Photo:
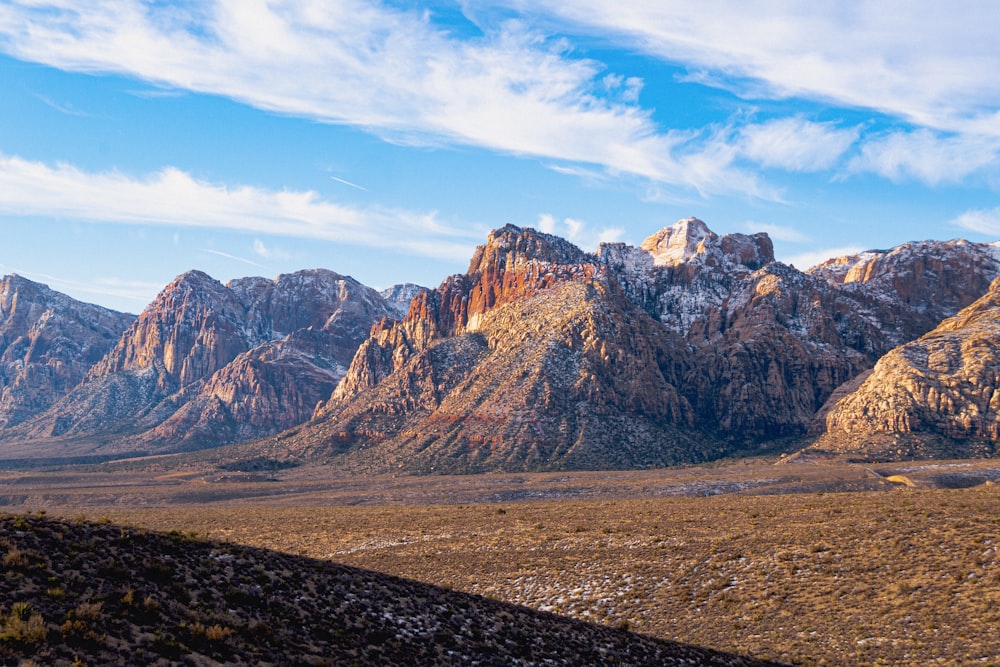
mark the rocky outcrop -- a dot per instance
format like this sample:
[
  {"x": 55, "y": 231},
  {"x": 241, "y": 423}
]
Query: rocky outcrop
[
  {"x": 208, "y": 363},
  {"x": 514, "y": 264},
  {"x": 937, "y": 396},
  {"x": 692, "y": 345},
  {"x": 775, "y": 342},
  {"x": 48, "y": 343}
]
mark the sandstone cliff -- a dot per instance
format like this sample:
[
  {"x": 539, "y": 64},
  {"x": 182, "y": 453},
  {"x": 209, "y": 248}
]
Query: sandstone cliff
[{"x": 573, "y": 377}]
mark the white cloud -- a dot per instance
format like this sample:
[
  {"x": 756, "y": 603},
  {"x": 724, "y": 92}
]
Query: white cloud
[
  {"x": 926, "y": 156},
  {"x": 388, "y": 70},
  {"x": 235, "y": 258},
  {"x": 778, "y": 232},
  {"x": 578, "y": 231},
  {"x": 811, "y": 258},
  {"x": 172, "y": 197},
  {"x": 931, "y": 63},
  {"x": 983, "y": 221},
  {"x": 546, "y": 223},
  {"x": 263, "y": 250},
  {"x": 796, "y": 144}
]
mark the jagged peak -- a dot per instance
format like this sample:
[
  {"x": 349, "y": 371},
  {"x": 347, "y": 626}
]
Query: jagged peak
[
  {"x": 18, "y": 279},
  {"x": 690, "y": 240},
  {"x": 511, "y": 244},
  {"x": 318, "y": 274},
  {"x": 194, "y": 276},
  {"x": 870, "y": 264},
  {"x": 677, "y": 243}
]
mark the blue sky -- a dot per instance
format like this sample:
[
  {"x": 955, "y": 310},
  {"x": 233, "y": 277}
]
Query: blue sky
[{"x": 141, "y": 139}]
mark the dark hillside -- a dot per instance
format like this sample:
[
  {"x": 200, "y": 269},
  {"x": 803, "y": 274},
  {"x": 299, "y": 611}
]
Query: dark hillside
[{"x": 100, "y": 593}]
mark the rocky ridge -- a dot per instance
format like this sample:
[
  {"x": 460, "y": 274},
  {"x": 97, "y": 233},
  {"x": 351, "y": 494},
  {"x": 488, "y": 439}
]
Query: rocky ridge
[
  {"x": 48, "y": 343},
  {"x": 691, "y": 346},
  {"x": 747, "y": 350},
  {"x": 207, "y": 363}
]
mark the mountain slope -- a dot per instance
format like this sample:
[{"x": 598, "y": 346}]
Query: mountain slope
[
  {"x": 48, "y": 342},
  {"x": 207, "y": 363},
  {"x": 937, "y": 396},
  {"x": 491, "y": 370},
  {"x": 574, "y": 377}
]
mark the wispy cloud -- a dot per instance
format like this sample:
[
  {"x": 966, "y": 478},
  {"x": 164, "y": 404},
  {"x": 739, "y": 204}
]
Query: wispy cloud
[
  {"x": 267, "y": 252},
  {"x": 174, "y": 198},
  {"x": 933, "y": 64},
  {"x": 930, "y": 66},
  {"x": 348, "y": 183},
  {"x": 514, "y": 89},
  {"x": 62, "y": 108},
  {"x": 777, "y": 232},
  {"x": 578, "y": 231},
  {"x": 811, "y": 258},
  {"x": 796, "y": 144},
  {"x": 926, "y": 156},
  {"x": 983, "y": 221},
  {"x": 388, "y": 70},
  {"x": 235, "y": 258}
]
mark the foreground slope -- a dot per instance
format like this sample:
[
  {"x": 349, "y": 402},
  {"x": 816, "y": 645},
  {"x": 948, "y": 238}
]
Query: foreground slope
[
  {"x": 936, "y": 396},
  {"x": 48, "y": 342},
  {"x": 106, "y": 594}
]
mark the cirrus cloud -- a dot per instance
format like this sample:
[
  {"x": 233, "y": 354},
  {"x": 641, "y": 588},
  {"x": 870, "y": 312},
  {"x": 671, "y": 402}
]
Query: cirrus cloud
[
  {"x": 389, "y": 71},
  {"x": 174, "y": 198}
]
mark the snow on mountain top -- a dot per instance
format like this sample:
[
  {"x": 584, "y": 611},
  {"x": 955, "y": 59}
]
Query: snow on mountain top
[{"x": 678, "y": 243}]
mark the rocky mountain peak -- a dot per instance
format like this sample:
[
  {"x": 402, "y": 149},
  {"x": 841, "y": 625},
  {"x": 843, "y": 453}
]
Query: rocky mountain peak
[
  {"x": 679, "y": 242},
  {"x": 691, "y": 241},
  {"x": 936, "y": 396},
  {"x": 398, "y": 297},
  {"x": 510, "y": 246}
]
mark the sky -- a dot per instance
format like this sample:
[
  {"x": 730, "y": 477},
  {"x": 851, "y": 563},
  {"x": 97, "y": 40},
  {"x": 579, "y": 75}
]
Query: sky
[{"x": 140, "y": 139}]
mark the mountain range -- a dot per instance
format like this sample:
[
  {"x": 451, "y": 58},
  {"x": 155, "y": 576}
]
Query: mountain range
[{"x": 690, "y": 347}]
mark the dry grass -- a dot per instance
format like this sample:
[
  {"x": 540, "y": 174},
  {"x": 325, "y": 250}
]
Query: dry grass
[
  {"x": 907, "y": 577},
  {"x": 77, "y": 592}
]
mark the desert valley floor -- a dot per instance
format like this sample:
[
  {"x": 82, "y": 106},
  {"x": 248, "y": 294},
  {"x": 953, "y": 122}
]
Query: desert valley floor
[{"x": 801, "y": 563}]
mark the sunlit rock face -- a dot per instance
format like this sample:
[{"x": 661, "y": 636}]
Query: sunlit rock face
[
  {"x": 936, "y": 396},
  {"x": 207, "y": 363},
  {"x": 48, "y": 343}
]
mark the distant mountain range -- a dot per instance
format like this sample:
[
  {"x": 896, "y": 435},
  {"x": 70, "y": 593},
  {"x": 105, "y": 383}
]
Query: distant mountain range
[{"x": 690, "y": 347}]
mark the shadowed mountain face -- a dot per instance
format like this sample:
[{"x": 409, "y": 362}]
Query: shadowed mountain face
[
  {"x": 48, "y": 343},
  {"x": 207, "y": 363},
  {"x": 107, "y": 594},
  {"x": 690, "y": 347}
]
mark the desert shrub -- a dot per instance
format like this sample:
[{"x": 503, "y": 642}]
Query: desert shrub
[
  {"x": 23, "y": 625},
  {"x": 15, "y": 558}
]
